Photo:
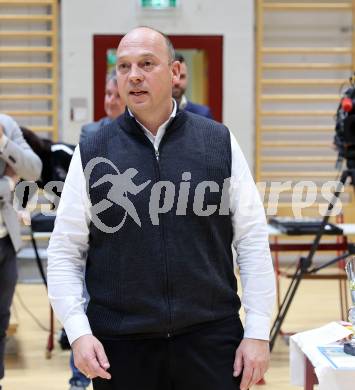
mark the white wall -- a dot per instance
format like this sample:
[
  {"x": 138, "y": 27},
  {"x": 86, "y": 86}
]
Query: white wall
[{"x": 234, "y": 19}]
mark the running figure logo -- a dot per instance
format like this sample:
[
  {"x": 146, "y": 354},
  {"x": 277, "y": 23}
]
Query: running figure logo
[{"x": 122, "y": 185}]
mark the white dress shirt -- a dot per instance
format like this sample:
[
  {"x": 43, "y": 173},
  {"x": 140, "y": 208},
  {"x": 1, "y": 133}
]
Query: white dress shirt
[
  {"x": 183, "y": 102},
  {"x": 69, "y": 244}
]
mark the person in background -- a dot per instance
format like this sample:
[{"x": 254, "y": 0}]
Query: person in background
[
  {"x": 179, "y": 89},
  {"x": 114, "y": 107},
  {"x": 55, "y": 156},
  {"x": 17, "y": 160}
]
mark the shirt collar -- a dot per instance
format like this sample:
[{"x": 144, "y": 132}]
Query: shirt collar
[
  {"x": 162, "y": 127},
  {"x": 183, "y": 102}
]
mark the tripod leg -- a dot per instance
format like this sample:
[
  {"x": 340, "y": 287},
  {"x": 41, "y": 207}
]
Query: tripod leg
[
  {"x": 50, "y": 343},
  {"x": 289, "y": 290},
  {"x": 38, "y": 260},
  {"x": 277, "y": 274},
  {"x": 286, "y": 303}
]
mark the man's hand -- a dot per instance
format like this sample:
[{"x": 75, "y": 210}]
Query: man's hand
[
  {"x": 252, "y": 356},
  {"x": 90, "y": 357},
  {"x": 1, "y": 131}
]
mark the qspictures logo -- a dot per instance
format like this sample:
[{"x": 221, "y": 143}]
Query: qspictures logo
[
  {"x": 121, "y": 186},
  {"x": 236, "y": 196},
  {"x": 124, "y": 186}
]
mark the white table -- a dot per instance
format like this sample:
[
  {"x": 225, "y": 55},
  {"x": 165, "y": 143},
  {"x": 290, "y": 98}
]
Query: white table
[{"x": 306, "y": 360}]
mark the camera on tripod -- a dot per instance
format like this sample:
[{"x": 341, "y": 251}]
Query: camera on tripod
[{"x": 344, "y": 138}]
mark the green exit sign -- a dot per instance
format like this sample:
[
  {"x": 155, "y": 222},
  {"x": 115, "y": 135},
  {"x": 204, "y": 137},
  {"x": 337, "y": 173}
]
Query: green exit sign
[{"x": 158, "y": 4}]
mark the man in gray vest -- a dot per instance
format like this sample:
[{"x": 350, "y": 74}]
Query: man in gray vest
[
  {"x": 17, "y": 160},
  {"x": 152, "y": 205}
]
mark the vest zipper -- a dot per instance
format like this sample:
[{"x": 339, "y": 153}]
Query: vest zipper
[{"x": 161, "y": 225}]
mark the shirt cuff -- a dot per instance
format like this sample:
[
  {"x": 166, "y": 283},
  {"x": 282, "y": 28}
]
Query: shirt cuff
[
  {"x": 3, "y": 142},
  {"x": 257, "y": 327},
  {"x": 77, "y": 326}
]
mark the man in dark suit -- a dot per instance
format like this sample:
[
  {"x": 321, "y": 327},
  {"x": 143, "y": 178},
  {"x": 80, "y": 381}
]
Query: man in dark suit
[
  {"x": 179, "y": 89},
  {"x": 114, "y": 107}
]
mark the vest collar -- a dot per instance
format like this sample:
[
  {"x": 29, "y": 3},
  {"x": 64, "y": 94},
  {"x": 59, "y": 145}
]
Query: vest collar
[{"x": 129, "y": 124}]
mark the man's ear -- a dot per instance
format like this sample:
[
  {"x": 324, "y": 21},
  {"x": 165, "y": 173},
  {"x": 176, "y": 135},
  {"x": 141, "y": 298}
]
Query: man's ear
[{"x": 175, "y": 69}]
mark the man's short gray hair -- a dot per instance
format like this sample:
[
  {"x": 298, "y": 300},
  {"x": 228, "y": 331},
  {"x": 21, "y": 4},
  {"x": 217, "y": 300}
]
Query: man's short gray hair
[{"x": 171, "y": 50}]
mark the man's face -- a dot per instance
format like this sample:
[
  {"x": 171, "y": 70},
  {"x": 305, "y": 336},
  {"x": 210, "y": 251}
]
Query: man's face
[
  {"x": 145, "y": 74},
  {"x": 114, "y": 105},
  {"x": 179, "y": 87}
]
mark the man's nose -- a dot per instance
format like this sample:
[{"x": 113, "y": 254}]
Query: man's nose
[{"x": 136, "y": 75}]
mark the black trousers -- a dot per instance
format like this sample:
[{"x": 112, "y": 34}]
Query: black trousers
[
  {"x": 8, "y": 278},
  {"x": 199, "y": 359}
]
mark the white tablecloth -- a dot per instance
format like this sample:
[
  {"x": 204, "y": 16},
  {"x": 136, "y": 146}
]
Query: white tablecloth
[{"x": 329, "y": 378}]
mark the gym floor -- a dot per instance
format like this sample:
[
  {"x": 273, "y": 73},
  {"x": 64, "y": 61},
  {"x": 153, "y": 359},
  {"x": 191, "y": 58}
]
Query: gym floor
[{"x": 316, "y": 303}]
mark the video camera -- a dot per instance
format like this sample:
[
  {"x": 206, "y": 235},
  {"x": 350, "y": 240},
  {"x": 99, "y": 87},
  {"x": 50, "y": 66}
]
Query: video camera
[{"x": 344, "y": 138}]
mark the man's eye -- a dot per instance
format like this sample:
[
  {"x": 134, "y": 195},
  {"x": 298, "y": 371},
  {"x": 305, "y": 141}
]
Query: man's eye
[
  {"x": 147, "y": 64},
  {"x": 122, "y": 67}
]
